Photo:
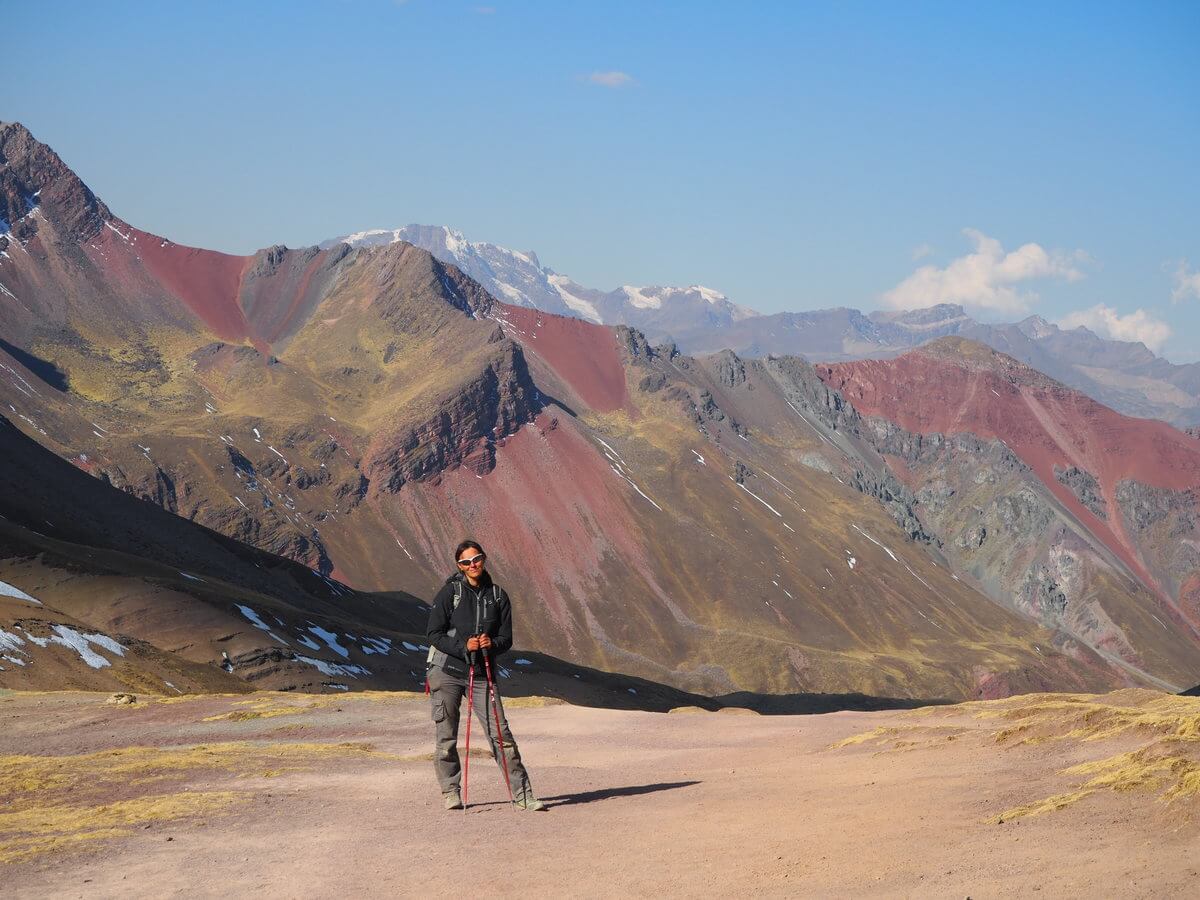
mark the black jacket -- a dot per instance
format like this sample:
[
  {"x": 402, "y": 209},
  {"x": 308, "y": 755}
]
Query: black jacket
[{"x": 479, "y": 612}]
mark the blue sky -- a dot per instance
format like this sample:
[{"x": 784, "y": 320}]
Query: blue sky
[{"x": 1025, "y": 158}]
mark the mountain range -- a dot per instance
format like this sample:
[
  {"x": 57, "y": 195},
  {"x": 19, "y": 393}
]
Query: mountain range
[
  {"x": 716, "y": 524},
  {"x": 1122, "y": 374}
]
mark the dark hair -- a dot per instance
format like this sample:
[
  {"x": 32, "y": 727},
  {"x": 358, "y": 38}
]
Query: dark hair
[{"x": 474, "y": 545}]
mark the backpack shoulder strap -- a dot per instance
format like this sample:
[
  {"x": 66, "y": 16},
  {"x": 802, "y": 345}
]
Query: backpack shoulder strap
[
  {"x": 457, "y": 594},
  {"x": 496, "y": 593}
]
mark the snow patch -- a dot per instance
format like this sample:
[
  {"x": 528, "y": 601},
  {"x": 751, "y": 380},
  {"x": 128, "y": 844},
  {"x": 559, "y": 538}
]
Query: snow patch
[
  {"x": 512, "y": 293},
  {"x": 639, "y": 299},
  {"x": 7, "y": 590},
  {"x": 640, "y": 491},
  {"x": 573, "y": 302},
  {"x": 81, "y": 644},
  {"x": 331, "y": 640},
  {"x": 258, "y": 623},
  {"x": 382, "y": 646},
  {"x": 760, "y": 499},
  {"x": 11, "y": 643},
  {"x": 328, "y": 668},
  {"x": 118, "y": 231},
  {"x": 875, "y": 542}
]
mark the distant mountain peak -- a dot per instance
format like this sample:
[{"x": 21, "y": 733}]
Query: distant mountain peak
[
  {"x": 1037, "y": 328},
  {"x": 35, "y": 183},
  {"x": 977, "y": 357},
  {"x": 642, "y": 298},
  {"x": 929, "y": 318},
  {"x": 654, "y": 296}
]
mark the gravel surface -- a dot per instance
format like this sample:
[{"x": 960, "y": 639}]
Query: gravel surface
[{"x": 304, "y": 796}]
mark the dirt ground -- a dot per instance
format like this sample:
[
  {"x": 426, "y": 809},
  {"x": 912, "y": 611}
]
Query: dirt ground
[{"x": 303, "y": 796}]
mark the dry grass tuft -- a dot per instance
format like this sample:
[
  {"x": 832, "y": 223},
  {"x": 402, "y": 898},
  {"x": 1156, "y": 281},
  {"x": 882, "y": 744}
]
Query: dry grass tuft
[
  {"x": 272, "y": 704},
  {"x": 57, "y": 802},
  {"x": 1164, "y": 729},
  {"x": 902, "y": 737},
  {"x": 29, "y": 832},
  {"x": 531, "y": 702}
]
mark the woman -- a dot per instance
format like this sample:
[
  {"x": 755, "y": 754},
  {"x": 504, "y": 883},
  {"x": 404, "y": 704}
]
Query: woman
[{"x": 471, "y": 617}]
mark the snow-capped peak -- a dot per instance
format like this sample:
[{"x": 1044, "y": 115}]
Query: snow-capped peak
[
  {"x": 456, "y": 242},
  {"x": 708, "y": 293},
  {"x": 639, "y": 298},
  {"x": 575, "y": 303},
  {"x": 372, "y": 236}
]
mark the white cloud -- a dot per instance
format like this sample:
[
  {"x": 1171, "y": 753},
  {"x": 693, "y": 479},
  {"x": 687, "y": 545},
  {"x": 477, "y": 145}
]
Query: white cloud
[
  {"x": 611, "y": 79},
  {"x": 1139, "y": 325},
  {"x": 986, "y": 278},
  {"x": 921, "y": 251},
  {"x": 1185, "y": 283}
]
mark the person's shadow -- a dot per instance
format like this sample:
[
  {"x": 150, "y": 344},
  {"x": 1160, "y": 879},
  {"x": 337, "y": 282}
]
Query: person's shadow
[{"x": 608, "y": 793}]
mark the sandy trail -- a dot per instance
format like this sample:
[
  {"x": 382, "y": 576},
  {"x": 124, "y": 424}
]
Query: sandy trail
[{"x": 642, "y": 804}]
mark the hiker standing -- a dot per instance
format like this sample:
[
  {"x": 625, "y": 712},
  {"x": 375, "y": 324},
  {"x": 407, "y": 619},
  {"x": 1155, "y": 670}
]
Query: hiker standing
[{"x": 471, "y": 617}]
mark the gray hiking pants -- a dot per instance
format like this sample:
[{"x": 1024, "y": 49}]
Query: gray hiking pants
[{"x": 446, "y": 692}]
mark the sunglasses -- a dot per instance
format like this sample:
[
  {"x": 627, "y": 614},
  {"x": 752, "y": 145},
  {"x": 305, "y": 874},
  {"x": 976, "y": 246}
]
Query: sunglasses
[{"x": 474, "y": 560}]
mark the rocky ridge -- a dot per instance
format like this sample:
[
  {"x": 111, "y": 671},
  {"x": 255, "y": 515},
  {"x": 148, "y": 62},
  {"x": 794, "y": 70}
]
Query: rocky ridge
[{"x": 1124, "y": 375}]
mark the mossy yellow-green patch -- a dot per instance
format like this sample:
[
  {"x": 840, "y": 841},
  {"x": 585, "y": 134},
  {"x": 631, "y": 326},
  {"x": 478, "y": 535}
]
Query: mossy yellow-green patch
[
  {"x": 57, "y": 802},
  {"x": 29, "y": 832},
  {"x": 1168, "y": 726},
  {"x": 27, "y": 781}
]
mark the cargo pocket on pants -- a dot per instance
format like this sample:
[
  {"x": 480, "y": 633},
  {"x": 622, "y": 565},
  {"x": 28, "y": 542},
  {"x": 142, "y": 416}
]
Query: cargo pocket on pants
[{"x": 439, "y": 711}]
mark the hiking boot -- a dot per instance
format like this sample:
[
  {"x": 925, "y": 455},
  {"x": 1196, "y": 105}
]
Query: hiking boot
[
  {"x": 453, "y": 801},
  {"x": 530, "y": 802}
]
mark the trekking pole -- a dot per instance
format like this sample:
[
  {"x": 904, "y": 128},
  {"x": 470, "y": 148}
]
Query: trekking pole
[
  {"x": 487, "y": 667},
  {"x": 470, "y": 715}
]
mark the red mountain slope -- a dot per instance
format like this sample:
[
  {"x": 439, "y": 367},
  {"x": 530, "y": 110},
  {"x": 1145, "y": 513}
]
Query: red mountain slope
[{"x": 1093, "y": 460}]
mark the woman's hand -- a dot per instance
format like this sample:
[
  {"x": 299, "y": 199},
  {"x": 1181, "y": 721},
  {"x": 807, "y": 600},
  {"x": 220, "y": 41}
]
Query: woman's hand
[
  {"x": 485, "y": 642},
  {"x": 472, "y": 644}
]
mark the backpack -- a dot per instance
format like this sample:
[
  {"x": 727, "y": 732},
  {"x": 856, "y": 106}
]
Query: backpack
[{"x": 435, "y": 656}]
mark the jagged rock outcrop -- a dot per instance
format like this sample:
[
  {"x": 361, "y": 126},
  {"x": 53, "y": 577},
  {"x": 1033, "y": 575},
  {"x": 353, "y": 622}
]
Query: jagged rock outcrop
[
  {"x": 160, "y": 490},
  {"x": 1042, "y": 596},
  {"x": 897, "y": 499},
  {"x": 32, "y": 175},
  {"x": 1143, "y": 506},
  {"x": 804, "y": 387},
  {"x": 1085, "y": 487},
  {"x": 464, "y": 429},
  {"x": 706, "y": 413},
  {"x": 729, "y": 369},
  {"x": 1163, "y": 524},
  {"x": 635, "y": 346}
]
